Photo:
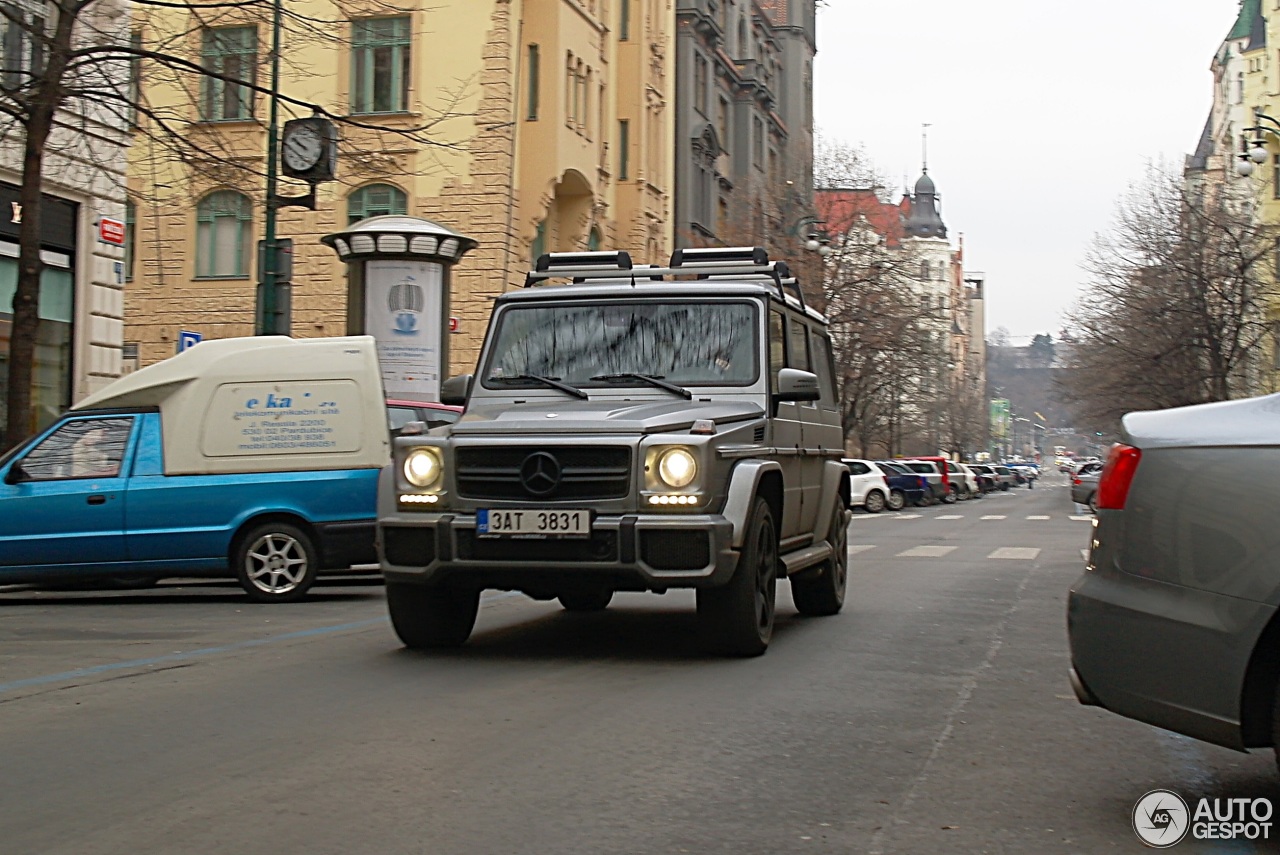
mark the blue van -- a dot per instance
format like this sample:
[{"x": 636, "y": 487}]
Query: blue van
[{"x": 253, "y": 458}]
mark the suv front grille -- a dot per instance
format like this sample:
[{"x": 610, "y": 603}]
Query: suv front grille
[{"x": 544, "y": 473}]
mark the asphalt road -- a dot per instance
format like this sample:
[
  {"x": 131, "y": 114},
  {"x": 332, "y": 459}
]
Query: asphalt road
[{"x": 932, "y": 715}]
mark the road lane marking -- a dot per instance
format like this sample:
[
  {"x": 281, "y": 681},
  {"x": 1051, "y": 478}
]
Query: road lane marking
[
  {"x": 1019, "y": 552},
  {"x": 1084, "y": 553},
  {"x": 926, "y": 552},
  {"x": 995, "y": 517},
  {"x": 1037, "y": 518},
  {"x": 861, "y": 547},
  {"x": 908, "y": 516},
  {"x": 1080, "y": 518},
  {"x": 951, "y": 517}
]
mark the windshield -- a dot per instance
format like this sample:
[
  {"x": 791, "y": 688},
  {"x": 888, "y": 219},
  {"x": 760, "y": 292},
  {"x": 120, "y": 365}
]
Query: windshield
[{"x": 684, "y": 343}]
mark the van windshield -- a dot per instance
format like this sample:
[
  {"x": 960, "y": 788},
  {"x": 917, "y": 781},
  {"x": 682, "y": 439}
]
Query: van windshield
[{"x": 682, "y": 342}]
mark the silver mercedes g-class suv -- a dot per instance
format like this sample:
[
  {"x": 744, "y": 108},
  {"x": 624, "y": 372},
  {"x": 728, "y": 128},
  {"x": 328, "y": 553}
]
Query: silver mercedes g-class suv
[{"x": 630, "y": 429}]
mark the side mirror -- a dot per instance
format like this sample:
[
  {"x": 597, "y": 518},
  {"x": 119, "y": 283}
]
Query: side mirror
[
  {"x": 797, "y": 385},
  {"x": 16, "y": 474},
  {"x": 456, "y": 390}
]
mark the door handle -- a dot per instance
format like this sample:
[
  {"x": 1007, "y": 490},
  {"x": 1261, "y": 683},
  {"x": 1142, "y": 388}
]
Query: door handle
[{"x": 97, "y": 499}]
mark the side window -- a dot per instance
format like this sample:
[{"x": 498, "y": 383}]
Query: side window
[
  {"x": 798, "y": 346},
  {"x": 777, "y": 349},
  {"x": 87, "y": 448},
  {"x": 823, "y": 367},
  {"x": 859, "y": 468}
]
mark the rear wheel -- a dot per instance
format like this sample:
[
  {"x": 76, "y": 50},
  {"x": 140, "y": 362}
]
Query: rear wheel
[
  {"x": 737, "y": 618},
  {"x": 426, "y": 618},
  {"x": 586, "y": 600},
  {"x": 949, "y": 497},
  {"x": 276, "y": 562},
  {"x": 897, "y": 500},
  {"x": 874, "y": 502},
  {"x": 821, "y": 595}
]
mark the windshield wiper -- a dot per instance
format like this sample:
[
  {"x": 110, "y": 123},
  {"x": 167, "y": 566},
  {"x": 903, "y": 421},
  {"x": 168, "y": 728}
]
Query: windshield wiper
[
  {"x": 651, "y": 379},
  {"x": 552, "y": 382}
]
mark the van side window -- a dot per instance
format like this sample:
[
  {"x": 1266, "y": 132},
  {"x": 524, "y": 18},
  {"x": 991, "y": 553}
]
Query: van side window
[
  {"x": 798, "y": 346},
  {"x": 823, "y": 367},
  {"x": 85, "y": 448},
  {"x": 777, "y": 349}
]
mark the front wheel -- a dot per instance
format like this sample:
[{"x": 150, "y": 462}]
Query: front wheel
[
  {"x": 897, "y": 500},
  {"x": 275, "y": 562},
  {"x": 426, "y": 618},
  {"x": 736, "y": 619},
  {"x": 874, "y": 503}
]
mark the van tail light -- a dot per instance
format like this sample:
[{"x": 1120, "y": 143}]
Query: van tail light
[{"x": 1117, "y": 476}]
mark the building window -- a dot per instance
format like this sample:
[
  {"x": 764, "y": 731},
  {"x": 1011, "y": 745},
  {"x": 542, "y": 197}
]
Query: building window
[
  {"x": 1275, "y": 176},
  {"x": 130, "y": 238},
  {"x": 23, "y": 53},
  {"x": 224, "y": 222},
  {"x": 534, "y": 72},
  {"x": 593, "y": 240},
  {"x": 757, "y": 142},
  {"x": 380, "y": 65},
  {"x": 624, "y": 20},
  {"x": 700, "y": 80},
  {"x": 624, "y": 149},
  {"x": 135, "y": 79},
  {"x": 539, "y": 246},
  {"x": 231, "y": 52},
  {"x": 376, "y": 200},
  {"x": 722, "y": 123}
]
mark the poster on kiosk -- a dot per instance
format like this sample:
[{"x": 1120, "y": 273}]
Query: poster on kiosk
[{"x": 402, "y": 312}]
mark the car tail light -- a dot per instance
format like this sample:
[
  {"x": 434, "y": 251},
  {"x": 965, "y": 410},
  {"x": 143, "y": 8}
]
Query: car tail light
[
  {"x": 1075, "y": 481},
  {"x": 1117, "y": 476}
]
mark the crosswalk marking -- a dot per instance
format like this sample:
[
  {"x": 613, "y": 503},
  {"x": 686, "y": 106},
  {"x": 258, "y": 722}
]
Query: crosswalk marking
[
  {"x": 1080, "y": 518},
  {"x": 1022, "y": 552},
  {"x": 926, "y": 552},
  {"x": 995, "y": 517},
  {"x": 909, "y": 516},
  {"x": 1037, "y": 518},
  {"x": 860, "y": 547},
  {"x": 1084, "y": 553},
  {"x": 951, "y": 517}
]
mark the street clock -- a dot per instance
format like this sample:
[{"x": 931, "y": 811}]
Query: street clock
[{"x": 309, "y": 149}]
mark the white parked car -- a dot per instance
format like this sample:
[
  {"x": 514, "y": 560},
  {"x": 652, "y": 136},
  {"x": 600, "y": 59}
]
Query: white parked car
[
  {"x": 971, "y": 488},
  {"x": 868, "y": 486}
]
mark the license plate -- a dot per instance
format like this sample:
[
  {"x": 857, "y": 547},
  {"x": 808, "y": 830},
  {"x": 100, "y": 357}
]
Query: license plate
[{"x": 515, "y": 522}]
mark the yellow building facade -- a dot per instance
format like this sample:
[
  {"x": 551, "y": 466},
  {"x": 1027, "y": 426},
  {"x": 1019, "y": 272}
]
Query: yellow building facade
[{"x": 529, "y": 125}]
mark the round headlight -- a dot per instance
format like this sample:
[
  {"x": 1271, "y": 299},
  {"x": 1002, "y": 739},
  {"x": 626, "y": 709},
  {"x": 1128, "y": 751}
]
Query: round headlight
[
  {"x": 677, "y": 468},
  {"x": 422, "y": 467}
]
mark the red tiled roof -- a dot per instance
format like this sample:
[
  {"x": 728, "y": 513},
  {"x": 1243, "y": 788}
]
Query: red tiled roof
[{"x": 841, "y": 210}]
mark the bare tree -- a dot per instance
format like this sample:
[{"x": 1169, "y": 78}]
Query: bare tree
[
  {"x": 73, "y": 84},
  {"x": 1175, "y": 311}
]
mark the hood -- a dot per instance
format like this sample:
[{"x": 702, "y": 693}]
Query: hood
[
  {"x": 1250, "y": 421},
  {"x": 599, "y": 416}
]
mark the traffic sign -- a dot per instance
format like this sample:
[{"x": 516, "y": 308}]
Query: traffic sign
[
  {"x": 111, "y": 231},
  {"x": 188, "y": 339}
]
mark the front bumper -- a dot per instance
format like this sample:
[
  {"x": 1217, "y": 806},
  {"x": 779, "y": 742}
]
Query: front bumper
[{"x": 625, "y": 552}]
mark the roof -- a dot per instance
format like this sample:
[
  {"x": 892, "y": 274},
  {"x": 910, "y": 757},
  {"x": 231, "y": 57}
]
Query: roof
[
  {"x": 1246, "y": 25},
  {"x": 842, "y": 209}
]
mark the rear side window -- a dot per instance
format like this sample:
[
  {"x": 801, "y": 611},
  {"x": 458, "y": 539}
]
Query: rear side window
[
  {"x": 858, "y": 468},
  {"x": 923, "y": 468},
  {"x": 822, "y": 366}
]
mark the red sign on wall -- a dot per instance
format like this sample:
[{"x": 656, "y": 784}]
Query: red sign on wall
[
  {"x": 453, "y": 324},
  {"x": 111, "y": 231}
]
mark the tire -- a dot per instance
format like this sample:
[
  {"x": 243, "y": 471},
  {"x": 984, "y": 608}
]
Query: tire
[
  {"x": 1093, "y": 503},
  {"x": 897, "y": 500},
  {"x": 949, "y": 498},
  {"x": 874, "y": 502},
  {"x": 430, "y": 618},
  {"x": 1004, "y": 487},
  {"x": 275, "y": 562},
  {"x": 736, "y": 619},
  {"x": 823, "y": 595},
  {"x": 586, "y": 600}
]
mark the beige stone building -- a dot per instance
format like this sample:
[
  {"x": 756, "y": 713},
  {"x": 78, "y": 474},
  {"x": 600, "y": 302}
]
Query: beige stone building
[{"x": 550, "y": 122}]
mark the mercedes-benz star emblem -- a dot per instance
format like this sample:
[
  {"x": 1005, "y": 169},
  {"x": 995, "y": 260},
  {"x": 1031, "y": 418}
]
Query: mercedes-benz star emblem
[{"x": 540, "y": 473}]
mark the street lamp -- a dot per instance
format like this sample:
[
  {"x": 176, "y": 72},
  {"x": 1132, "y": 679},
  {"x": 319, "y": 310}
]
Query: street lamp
[{"x": 1258, "y": 152}]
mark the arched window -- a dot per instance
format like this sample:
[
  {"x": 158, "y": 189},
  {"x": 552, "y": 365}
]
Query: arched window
[
  {"x": 924, "y": 270},
  {"x": 374, "y": 201},
  {"x": 593, "y": 240},
  {"x": 224, "y": 226}
]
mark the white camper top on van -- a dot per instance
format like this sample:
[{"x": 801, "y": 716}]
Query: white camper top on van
[{"x": 263, "y": 404}]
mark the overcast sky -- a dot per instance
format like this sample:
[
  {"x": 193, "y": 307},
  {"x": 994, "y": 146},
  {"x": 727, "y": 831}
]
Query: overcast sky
[{"x": 1041, "y": 117}]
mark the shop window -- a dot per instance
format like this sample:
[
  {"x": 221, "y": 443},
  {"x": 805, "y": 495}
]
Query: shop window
[
  {"x": 51, "y": 374},
  {"x": 231, "y": 52},
  {"x": 224, "y": 224},
  {"x": 376, "y": 200},
  {"x": 380, "y": 65}
]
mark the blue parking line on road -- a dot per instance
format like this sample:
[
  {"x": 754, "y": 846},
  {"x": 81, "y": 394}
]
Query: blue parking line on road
[{"x": 207, "y": 651}]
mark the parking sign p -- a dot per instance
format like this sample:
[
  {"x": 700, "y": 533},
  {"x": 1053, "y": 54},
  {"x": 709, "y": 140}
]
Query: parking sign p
[{"x": 187, "y": 339}]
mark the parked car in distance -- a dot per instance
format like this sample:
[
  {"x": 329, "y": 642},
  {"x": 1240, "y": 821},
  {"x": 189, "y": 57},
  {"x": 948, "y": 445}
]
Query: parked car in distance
[
  {"x": 939, "y": 491},
  {"x": 987, "y": 481},
  {"x": 905, "y": 487},
  {"x": 970, "y": 486},
  {"x": 1005, "y": 477},
  {"x": 248, "y": 458},
  {"x": 1176, "y": 619},
  {"x": 1084, "y": 485},
  {"x": 868, "y": 486},
  {"x": 433, "y": 415}
]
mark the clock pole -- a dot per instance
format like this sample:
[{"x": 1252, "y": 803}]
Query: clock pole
[{"x": 268, "y": 323}]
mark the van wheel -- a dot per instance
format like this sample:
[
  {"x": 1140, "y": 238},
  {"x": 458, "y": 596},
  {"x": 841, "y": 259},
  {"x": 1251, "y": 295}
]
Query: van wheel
[
  {"x": 897, "y": 500},
  {"x": 874, "y": 502},
  {"x": 276, "y": 562},
  {"x": 736, "y": 619},
  {"x": 586, "y": 600},
  {"x": 426, "y": 618},
  {"x": 822, "y": 595}
]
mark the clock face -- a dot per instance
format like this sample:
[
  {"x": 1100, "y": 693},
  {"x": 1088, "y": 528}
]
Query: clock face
[{"x": 302, "y": 147}]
